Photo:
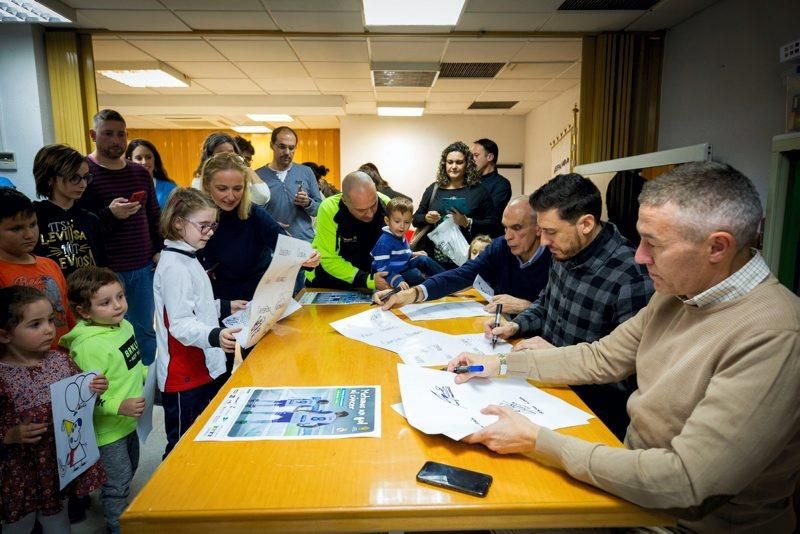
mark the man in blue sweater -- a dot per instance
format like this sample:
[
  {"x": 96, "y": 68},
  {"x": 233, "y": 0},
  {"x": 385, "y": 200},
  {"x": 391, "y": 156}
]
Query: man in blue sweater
[{"x": 514, "y": 265}]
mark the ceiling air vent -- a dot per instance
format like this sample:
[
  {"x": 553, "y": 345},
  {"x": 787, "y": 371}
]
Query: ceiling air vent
[
  {"x": 469, "y": 70},
  {"x": 606, "y": 5},
  {"x": 493, "y": 105},
  {"x": 404, "y": 74}
]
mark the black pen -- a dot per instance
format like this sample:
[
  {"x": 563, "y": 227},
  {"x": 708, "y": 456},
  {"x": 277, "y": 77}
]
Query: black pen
[
  {"x": 497, "y": 312},
  {"x": 385, "y": 297}
]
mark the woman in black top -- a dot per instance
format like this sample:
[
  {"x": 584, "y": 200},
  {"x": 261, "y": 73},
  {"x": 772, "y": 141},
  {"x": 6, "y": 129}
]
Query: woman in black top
[
  {"x": 458, "y": 193},
  {"x": 68, "y": 235}
]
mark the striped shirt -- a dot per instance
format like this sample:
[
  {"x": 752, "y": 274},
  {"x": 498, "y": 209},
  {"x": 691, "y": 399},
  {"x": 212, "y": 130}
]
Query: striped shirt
[
  {"x": 736, "y": 285},
  {"x": 130, "y": 243}
]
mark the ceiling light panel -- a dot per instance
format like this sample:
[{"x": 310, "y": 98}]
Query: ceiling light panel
[
  {"x": 251, "y": 129},
  {"x": 269, "y": 117},
  {"x": 28, "y": 11},
  {"x": 412, "y": 12}
]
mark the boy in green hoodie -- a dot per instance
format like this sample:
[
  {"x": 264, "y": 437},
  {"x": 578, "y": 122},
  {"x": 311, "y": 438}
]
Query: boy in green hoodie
[{"x": 104, "y": 340}]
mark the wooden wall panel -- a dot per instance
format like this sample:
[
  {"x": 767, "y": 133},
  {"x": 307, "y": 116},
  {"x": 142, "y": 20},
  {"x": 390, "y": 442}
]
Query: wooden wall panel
[{"x": 180, "y": 149}]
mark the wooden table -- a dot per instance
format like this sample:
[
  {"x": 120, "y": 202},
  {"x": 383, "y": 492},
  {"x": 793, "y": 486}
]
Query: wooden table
[{"x": 360, "y": 484}]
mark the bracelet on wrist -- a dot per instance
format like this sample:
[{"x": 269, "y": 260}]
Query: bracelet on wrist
[{"x": 503, "y": 359}]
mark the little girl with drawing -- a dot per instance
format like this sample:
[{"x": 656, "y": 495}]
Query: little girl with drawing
[
  {"x": 28, "y": 465},
  {"x": 191, "y": 344}
]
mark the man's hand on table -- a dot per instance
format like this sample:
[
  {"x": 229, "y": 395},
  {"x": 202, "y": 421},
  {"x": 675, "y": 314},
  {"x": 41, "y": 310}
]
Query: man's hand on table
[
  {"x": 511, "y": 305},
  {"x": 512, "y": 433},
  {"x": 534, "y": 343}
]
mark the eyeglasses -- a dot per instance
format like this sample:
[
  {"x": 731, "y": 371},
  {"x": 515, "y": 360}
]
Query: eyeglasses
[
  {"x": 204, "y": 228},
  {"x": 76, "y": 178}
]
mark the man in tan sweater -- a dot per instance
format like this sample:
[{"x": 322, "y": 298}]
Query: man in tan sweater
[{"x": 714, "y": 436}]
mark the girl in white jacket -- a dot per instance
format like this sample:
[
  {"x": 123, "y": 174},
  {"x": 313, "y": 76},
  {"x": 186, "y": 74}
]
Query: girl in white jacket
[{"x": 191, "y": 344}]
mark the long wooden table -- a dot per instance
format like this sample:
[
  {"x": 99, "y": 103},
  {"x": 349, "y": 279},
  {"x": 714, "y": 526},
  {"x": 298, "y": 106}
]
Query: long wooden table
[{"x": 360, "y": 484}]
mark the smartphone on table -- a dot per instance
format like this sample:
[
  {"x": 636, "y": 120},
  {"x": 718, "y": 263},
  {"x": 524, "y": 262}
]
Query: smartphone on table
[
  {"x": 138, "y": 196},
  {"x": 455, "y": 478}
]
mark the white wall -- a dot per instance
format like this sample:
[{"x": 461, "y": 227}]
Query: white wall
[
  {"x": 25, "y": 117},
  {"x": 541, "y": 126},
  {"x": 723, "y": 84},
  {"x": 407, "y": 150}
]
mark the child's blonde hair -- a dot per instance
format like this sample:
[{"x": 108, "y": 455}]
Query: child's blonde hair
[
  {"x": 478, "y": 239},
  {"x": 182, "y": 202},
  {"x": 228, "y": 161},
  {"x": 401, "y": 204}
]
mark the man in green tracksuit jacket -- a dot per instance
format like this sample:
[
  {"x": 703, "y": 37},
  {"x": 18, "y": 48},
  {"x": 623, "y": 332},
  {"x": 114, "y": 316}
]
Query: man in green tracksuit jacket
[{"x": 348, "y": 226}]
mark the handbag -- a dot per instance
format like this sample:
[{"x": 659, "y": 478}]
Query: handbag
[{"x": 416, "y": 240}]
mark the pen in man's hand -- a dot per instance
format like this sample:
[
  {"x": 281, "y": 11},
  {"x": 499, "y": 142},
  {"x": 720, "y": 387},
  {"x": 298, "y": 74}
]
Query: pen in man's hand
[
  {"x": 384, "y": 298},
  {"x": 497, "y": 312},
  {"x": 461, "y": 369}
]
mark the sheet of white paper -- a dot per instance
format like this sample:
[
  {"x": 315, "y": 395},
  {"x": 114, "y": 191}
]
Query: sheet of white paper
[
  {"x": 73, "y": 409},
  {"x": 399, "y": 409},
  {"x": 145, "y": 423},
  {"x": 240, "y": 318},
  {"x": 483, "y": 287},
  {"x": 435, "y": 404},
  {"x": 428, "y": 311}
]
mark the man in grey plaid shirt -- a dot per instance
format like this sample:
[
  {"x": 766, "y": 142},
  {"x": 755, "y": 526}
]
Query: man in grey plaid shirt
[{"x": 594, "y": 285}]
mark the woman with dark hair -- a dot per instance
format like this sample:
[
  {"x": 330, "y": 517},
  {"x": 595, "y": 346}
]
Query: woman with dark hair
[
  {"x": 326, "y": 188},
  {"x": 145, "y": 153},
  {"x": 219, "y": 142},
  {"x": 68, "y": 235},
  {"x": 457, "y": 192},
  {"x": 380, "y": 184}
]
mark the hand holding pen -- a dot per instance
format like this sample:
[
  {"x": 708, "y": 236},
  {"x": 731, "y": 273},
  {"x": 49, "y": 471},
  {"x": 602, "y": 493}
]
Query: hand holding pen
[
  {"x": 467, "y": 365},
  {"x": 383, "y": 297},
  {"x": 498, "y": 313}
]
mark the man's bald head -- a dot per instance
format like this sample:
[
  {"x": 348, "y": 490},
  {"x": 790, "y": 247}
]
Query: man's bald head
[
  {"x": 521, "y": 231},
  {"x": 360, "y": 196}
]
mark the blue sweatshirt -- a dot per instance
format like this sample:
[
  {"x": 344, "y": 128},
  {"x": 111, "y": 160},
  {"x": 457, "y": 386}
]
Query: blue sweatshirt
[
  {"x": 501, "y": 270},
  {"x": 393, "y": 255}
]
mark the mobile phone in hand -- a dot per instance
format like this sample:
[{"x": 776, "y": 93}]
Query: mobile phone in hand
[
  {"x": 138, "y": 196},
  {"x": 299, "y": 186},
  {"x": 455, "y": 478}
]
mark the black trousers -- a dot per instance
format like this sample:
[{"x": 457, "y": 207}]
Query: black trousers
[{"x": 182, "y": 408}]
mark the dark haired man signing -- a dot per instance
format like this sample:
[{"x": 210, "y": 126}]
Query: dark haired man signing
[{"x": 593, "y": 286}]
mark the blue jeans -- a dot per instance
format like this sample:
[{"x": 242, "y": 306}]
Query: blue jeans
[
  {"x": 139, "y": 292},
  {"x": 420, "y": 268}
]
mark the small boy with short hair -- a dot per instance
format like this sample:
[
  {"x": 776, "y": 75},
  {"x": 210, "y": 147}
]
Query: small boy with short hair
[
  {"x": 392, "y": 254},
  {"x": 19, "y": 234},
  {"x": 104, "y": 340}
]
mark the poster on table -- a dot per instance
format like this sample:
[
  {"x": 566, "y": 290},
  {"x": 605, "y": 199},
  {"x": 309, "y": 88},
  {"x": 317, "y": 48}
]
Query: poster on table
[
  {"x": 73, "y": 408},
  {"x": 251, "y": 413},
  {"x": 335, "y": 297},
  {"x": 274, "y": 291}
]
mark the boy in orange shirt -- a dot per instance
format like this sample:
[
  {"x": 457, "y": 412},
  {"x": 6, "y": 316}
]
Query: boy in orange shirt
[{"x": 19, "y": 234}]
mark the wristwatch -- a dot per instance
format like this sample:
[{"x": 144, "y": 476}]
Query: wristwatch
[{"x": 503, "y": 364}]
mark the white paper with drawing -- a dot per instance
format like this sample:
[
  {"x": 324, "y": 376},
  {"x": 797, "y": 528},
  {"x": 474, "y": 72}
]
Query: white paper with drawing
[
  {"x": 483, "y": 287},
  {"x": 435, "y": 404},
  {"x": 450, "y": 241},
  {"x": 73, "y": 408},
  {"x": 274, "y": 291},
  {"x": 428, "y": 311},
  {"x": 451, "y": 346}
]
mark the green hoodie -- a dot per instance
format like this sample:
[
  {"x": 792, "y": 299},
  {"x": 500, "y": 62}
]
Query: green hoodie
[{"x": 113, "y": 350}]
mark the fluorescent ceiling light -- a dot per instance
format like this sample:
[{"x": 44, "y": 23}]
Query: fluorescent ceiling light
[
  {"x": 412, "y": 12},
  {"x": 251, "y": 129},
  {"x": 28, "y": 11},
  {"x": 400, "y": 111},
  {"x": 143, "y": 74},
  {"x": 274, "y": 117}
]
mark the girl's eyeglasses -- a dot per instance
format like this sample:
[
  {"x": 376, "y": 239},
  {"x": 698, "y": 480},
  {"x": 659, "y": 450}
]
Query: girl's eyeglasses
[
  {"x": 204, "y": 228},
  {"x": 76, "y": 178}
]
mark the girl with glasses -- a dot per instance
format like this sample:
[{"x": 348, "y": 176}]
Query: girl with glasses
[{"x": 68, "y": 234}]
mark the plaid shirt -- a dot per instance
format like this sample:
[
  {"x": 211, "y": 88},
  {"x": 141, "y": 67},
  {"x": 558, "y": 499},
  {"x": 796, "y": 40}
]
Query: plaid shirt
[{"x": 588, "y": 295}]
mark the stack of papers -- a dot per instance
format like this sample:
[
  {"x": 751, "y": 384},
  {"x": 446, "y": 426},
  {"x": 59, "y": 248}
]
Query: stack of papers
[
  {"x": 435, "y": 404},
  {"x": 428, "y": 311}
]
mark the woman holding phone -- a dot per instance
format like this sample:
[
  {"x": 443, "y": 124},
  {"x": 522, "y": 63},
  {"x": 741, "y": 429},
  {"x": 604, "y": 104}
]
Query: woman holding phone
[{"x": 457, "y": 192}]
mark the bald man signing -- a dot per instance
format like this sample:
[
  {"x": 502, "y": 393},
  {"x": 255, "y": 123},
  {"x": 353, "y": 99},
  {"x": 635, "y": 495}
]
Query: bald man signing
[{"x": 348, "y": 226}]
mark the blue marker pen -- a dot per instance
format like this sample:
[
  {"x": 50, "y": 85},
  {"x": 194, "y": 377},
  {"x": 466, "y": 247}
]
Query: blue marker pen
[{"x": 468, "y": 369}]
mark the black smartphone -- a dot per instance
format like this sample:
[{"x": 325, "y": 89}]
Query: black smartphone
[{"x": 455, "y": 478}]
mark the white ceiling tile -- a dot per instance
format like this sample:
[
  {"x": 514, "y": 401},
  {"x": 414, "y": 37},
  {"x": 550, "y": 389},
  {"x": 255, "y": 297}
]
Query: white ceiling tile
[
  {"x": 515, "y": 22},
  {"x": 193, "y": 89},
  {"x": 359, "y": 97},
  {"x": 207, "y": 69},
  {"x": 512, "y": 6},
  {"x": 561, "y": 84},
  {"x": 668, "y": 14},
  {"x": 115, "y": 88},
  {"x": 313, "y": 5},
  {"x": 486, "y": 112},
  {"x": 130, "y": 20},
  {"x": 214, "y": 5},
  {"x": 115, "y": 4},
  {"x": 451, "y": 85},
  {"x": 319, "y": 69},
  {"x": 254, "y": 49},
  {"x": 510, "y": 96},
  {"x": 295, "y": 93},
  {"x": 272, "y": 69},
  {"x": 318, "y": 21},
  {"x": 179, "y": 50},
  {"x": 590, "y": 21},
  {"x": 481, "y": 50},
  {"x": 227, "y": 20},
  {"x": 518, "y": 85},
  {"x": 573, "y": 72},
  {"x": 361, "y": 108},
  {"x": 533, "y": 70},
  {"x": 117, "y": 51},
  {"x": 320, "y": 121},
  {"x": 401, "y": 97},
  {"x": 449, "y": 107},
  {"x": 523, "y": 108},
  {"x": 349, "y": 51},
  {"x": 406, "y": 50},
  {"x": 339, "y": 85},
  {"x": 452, "y": 97},
  {"x": 287, "y": 84},
  {"x": 550, "y": 51},
  {"x": 231, "y": 87}
]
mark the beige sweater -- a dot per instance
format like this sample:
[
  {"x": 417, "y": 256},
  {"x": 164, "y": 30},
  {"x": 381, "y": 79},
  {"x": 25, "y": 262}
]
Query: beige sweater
[{"x": 714, "y": 426}]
